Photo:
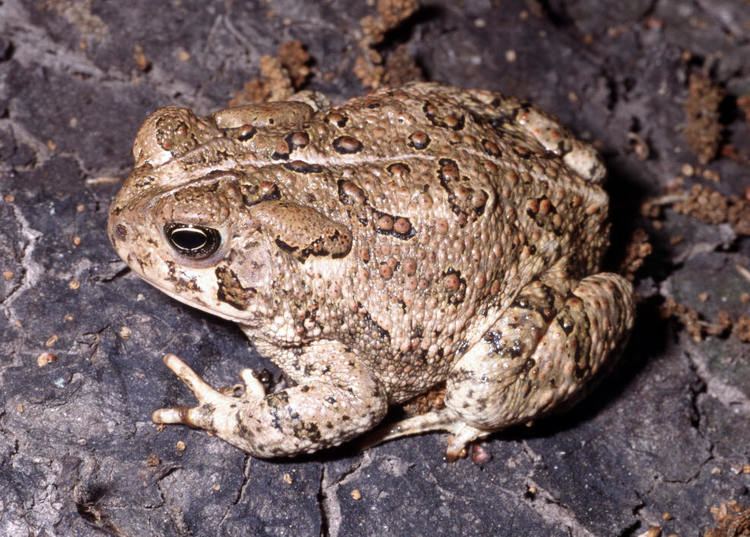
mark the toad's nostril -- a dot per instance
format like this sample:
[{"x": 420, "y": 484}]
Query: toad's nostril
[{"x": 121, "y": 231}]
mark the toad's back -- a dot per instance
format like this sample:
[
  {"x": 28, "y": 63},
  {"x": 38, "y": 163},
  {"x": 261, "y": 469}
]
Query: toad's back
[{"x": 456, "y": 200}]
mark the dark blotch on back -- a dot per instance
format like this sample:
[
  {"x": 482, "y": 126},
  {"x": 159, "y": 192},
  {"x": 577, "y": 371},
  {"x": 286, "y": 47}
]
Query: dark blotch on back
[
  {"x": 457, "y": 292},
  {"x": 243, "y": 133},
  {"x": 301, "y": 166},
  {"x": 282, "y": 153},
  {"x": 491, "y": 148},
  {"x": 121, "y": 232},
  {"x": 285, "y": 247}
]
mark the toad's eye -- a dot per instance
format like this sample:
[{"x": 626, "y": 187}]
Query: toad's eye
[{"x": 198, "y": 242}]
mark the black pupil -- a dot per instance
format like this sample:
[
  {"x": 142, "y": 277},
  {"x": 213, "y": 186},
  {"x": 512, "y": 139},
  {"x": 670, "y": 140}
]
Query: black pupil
[
  {"x": 189, "y": 238},
  {"x": 198, "y": 242}
]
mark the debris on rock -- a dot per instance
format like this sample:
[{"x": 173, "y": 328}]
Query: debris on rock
[
  {"x": 480, "y": 454},
  {"x": 742, "y": 329},
  {"x": 296, "y": 60},
  {"x": 280, "y": 76},
  {"x": 743, "y": 103},
  {"x": 703, "y": 130},
  {"x": 639, "y": 248},
  {"x": 273, "y": 84},
  {"x": 639, "y": 146},
  {"x": 141, "y": 60},
  {"x": 45, "y": 358},
  {"x": 713, "y": 207},
  {"x": 652, "y": 531},
  {"x": 704, "y": 204},
  {"x": 691, "y": 320},
  {"x": 732, "y": 520},
  {"x": 371, "y": 67},
  {"x": 401, "y": 68},
  {"x": 426, "y": 402}
]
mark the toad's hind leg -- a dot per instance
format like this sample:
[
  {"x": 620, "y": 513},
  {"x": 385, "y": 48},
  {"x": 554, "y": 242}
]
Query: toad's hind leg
[
  {"x": 438, "y": 420},
  {"x": 538, "y": 355}
]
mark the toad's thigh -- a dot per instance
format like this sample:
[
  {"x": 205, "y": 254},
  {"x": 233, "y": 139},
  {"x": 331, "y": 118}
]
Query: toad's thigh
[{"x": 541, "y": 352}]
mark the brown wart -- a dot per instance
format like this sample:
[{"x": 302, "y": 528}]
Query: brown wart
[
  {"x": 419, "y": 140},
  {"x": 347, "y": 145},
  {"x": 450, "y": 120},
  {"x": 491, "y": 148},
  {"x": 455, "y": 286},
  {"x": 173, "y": 133},
  {"x": 254, "y": 193},
  {"x": 353, "y": 196},
  {"x": 544, "y": 214},
  {"x": 449, "y": 175},
  {"x": 337, "y": 118},
  {"x": 395, "y": 226},
  {"x": 350, "y": 193},
  {"x": 464, "y": 200},
  {"x": 297, "y": 140},
  {"x": 281, "y": 150},
  {"x": 398, "y": 169}
]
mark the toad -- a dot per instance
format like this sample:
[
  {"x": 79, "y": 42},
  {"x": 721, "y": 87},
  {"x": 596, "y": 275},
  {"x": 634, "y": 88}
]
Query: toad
[{"x": 413, "y": 237}]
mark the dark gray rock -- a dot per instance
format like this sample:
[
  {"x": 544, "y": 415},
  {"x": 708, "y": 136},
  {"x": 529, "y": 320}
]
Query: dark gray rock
[{"x": 665, "y": 432}]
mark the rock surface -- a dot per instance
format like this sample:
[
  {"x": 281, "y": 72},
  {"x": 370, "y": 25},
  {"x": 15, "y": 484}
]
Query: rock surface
[{"x": 81, "y": 337}]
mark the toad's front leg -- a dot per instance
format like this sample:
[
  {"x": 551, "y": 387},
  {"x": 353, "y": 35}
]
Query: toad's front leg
[{"x": 335, "y": 401}]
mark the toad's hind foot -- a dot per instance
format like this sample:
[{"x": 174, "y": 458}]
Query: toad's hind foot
[
  {"x": 462, "y": 434},
  {"x": 202, "y": 416}
]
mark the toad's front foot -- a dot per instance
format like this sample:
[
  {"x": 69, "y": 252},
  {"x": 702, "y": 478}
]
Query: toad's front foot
[
  {"x": 335, "y": 400},
  {"x": 205, "y": 414}
]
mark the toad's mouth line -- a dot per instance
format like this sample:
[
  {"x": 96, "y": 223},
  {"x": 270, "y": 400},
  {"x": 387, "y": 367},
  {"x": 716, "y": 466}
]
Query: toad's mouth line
[{"x": 194, "y": 303}]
